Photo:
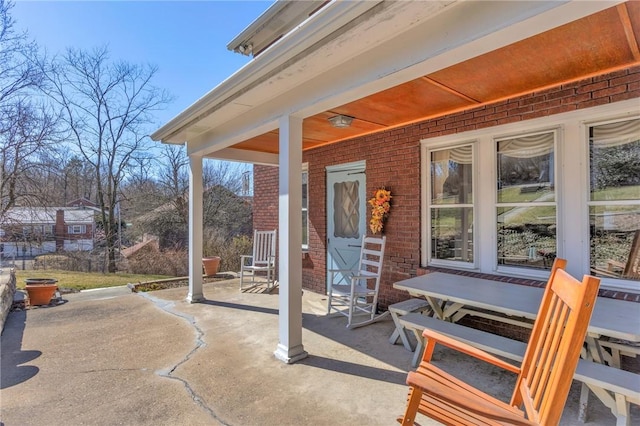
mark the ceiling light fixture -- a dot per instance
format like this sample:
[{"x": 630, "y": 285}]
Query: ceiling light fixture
[{"x": 340, "y": 121}]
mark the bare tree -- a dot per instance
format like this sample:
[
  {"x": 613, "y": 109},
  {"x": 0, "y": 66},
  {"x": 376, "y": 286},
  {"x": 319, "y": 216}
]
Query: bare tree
[
  {"x": 78, "y": 180},
  {"x": 223, "y": 207},
  {"x": 226, "y": 213},
  {"x": 108, "y": 107},
  {"x": 175, "y": 180},
  {"x": 17, "y": 54},
  {"x": 27, "y": 128},
  {"x": 170, "y": 219}
]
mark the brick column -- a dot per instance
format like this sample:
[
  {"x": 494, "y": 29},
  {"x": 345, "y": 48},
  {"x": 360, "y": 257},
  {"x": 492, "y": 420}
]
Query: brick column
[{"x": 59, "y": 230}]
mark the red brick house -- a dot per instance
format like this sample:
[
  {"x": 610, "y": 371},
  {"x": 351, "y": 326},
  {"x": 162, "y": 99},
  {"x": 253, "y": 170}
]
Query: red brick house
[
  {"x": 507, "y": 132},
  {"x": 30, "y": 231}
]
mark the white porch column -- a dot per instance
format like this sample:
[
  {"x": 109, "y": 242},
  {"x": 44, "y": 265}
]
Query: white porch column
[
  {"x": 290, "y": 347},
  {"x": 195, "y": 230}
]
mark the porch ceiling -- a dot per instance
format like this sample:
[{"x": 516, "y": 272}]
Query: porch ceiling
[{"x": 602, "y": 42}]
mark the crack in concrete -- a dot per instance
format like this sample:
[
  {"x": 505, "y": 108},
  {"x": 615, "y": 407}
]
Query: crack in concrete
[
  {"x": 168, "y": 307},
  {"x": 100, "y": 370}
]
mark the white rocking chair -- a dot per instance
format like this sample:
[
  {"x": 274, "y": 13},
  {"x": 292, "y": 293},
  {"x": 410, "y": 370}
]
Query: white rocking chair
[
  {"x": 359, "y": 295},
  {"x": 260, "y": 267}
]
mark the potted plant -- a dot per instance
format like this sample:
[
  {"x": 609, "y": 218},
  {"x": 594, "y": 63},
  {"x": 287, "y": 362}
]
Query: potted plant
[
  {"x": 211, "y": 265},
  {"x": 41, "y": 290}
]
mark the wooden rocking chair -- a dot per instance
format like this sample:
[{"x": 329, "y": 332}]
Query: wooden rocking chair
[
  {"x": 544, "y": 378},
  {"x": 260, "y": 267},
  {"x": 359, "y": 295}
]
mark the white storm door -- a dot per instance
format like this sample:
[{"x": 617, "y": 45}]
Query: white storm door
[{"x": 346, "y": 216}]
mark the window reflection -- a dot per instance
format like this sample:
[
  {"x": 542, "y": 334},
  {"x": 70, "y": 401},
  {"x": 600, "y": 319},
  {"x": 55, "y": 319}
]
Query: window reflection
[
  {"x": 527, "y": 236},
  {"x": 452, "y": 234},
  {"x": 451, "y": 218},
  {"x": 614, "y": 210},
  {"x": 305, "y": 208},
  {"x": 451, "y": 176},
  {"x": 615, "y": 241},
  {"x": 526, "y": 210},
  {"x": 526, "y": 169},
  {"x": 614, "y": 157}
]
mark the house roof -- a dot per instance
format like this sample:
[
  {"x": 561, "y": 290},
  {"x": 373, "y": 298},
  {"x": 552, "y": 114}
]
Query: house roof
[
  {"x": 83, "y": 201},
  {"x": 388, "y": 64},
  {"x": 47, "y": 215}
]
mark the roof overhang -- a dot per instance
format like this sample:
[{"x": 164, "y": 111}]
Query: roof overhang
[{"x": 380, "y": 61}]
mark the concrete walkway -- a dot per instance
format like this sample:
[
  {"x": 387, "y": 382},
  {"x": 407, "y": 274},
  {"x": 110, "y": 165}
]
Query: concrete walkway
[{"x": 110, "y": 357}]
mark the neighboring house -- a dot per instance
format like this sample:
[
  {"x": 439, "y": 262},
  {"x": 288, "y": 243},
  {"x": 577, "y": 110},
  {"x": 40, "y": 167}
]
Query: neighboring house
[
  {"x": 507, "y": 132},
  {"x": 31, "y": 231}
]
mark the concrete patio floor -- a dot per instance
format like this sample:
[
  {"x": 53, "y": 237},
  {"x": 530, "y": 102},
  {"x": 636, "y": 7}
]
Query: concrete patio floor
[{"x": 111, "y": 357}]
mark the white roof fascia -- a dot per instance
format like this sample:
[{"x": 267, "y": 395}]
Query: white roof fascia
[
  {"x": 336, "y": 14},
  {"x": 278, "y": 19}
]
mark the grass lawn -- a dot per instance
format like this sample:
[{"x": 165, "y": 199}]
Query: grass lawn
[
  {"x": 630, "y": 192},
  {"x": 84, "y": 280}
]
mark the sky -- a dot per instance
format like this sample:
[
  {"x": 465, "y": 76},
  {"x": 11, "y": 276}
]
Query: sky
[{"x": 186, "y": 40}]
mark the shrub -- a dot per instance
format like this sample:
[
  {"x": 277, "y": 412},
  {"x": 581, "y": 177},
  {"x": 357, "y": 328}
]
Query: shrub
[
  {"x": 239, "y": 246},
  {"x": 77, "y": 261},
  {"x": 170, "y": 262},
  {"x": 175, "y": 262}
]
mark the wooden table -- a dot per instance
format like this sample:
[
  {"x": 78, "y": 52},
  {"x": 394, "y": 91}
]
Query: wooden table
[{"x": 453, "y": 296}]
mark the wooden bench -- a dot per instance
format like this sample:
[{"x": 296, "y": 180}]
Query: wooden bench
[
  {"x": 618, "y": 348},
  {"x": 403, "y": 308},
  {"x": 616, "y": 388}
]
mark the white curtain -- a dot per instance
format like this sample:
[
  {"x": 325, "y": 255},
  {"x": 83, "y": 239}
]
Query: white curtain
[
  {"x": 527, "y": 146},
  {"x": 615, "y": 134}
]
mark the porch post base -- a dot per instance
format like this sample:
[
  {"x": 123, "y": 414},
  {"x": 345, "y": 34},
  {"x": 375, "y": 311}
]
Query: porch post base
[
  {"x": 290, "y": 356},
  {"x": 195, "y": 298}
]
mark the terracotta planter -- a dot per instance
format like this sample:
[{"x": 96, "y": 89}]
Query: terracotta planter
[
  {"x": 40, "y": 290},
  {"x": 211, "y": 265}
]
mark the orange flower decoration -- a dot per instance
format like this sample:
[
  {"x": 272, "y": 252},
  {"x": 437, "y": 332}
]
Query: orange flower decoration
[{"x": 380, "y": 207}]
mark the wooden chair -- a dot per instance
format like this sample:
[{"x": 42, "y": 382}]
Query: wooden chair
[
  {"x": 544, "y": 378},
  {"x": 359, "y": 295},
  {"x": 628, "y": 270},
  {"x": 260, "y": 267}
]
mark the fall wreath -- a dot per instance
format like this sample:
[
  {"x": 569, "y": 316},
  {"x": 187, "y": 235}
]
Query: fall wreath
[{"x": 380, "y": 207}]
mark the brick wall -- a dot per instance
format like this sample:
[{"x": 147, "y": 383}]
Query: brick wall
[
  {"x": 265, "y": 197},
  {"x": 393, "y": 160}
]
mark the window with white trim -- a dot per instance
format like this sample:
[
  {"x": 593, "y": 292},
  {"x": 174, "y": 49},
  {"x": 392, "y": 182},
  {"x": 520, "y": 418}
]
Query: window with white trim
[
  {"x": 614, "y": 199},
  {"x": 526, "y": 200},
  {"x": 77, "y": 229},
  {"x": 450, "y": 203},
  {"x": 305, "y": 206},
  {"x": 565, "y": 185}
]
